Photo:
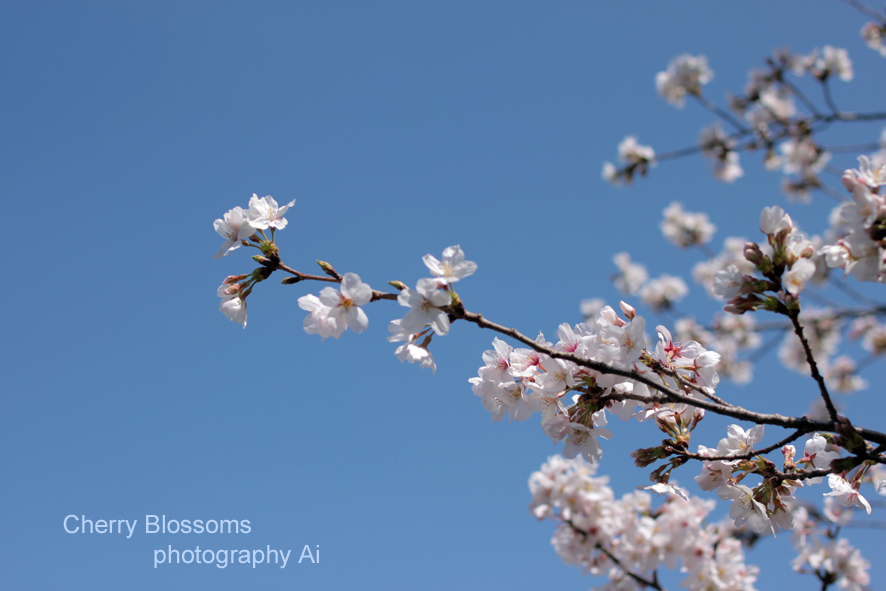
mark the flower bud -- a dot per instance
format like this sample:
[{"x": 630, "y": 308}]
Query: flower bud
[
  {"x": 291, "y": 280},
  {"x": 628, "y": 310},
  {"x": 269, "y": 249},
  {"x": 234, "y": 278},
  {"x": 329, "y": 270},
  {"x": 697, "y": 415},
  {"x": 261, "y": 274},
  {"x": 742, "y": 304},
  {"x": 752, "y": 253},
  {"x": 789, "y": 451},
  {"x": 397, "y": 285}
]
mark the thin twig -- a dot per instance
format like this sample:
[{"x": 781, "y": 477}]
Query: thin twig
[
  {"x": 813, "y": 366},
  {"x": 792, "y": 437},
  {"x": 724, "y": 115},
  {"x": 803, "y": 98},
  {"x": 865, "y": 10},
  {"x": 376, "y": 295}
]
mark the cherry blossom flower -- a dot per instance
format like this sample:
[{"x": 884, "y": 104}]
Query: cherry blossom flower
[
  {"x": 631, "y": 275},
  {"x": 233, "y": 304},
  {"x": 497, "y": 362},
  {"x": 631, "y": 152},
  {"x": 410, "y": 351},
  {"x": 610, "y": 173},
  {"x": 663, "y": 291},
  {"x": 745, "y": 508},
  {"x": 685, "y": 75},
  {"x": 344, "y": 307},
  {"x": 844, "y": 492},
  {"x": 873, "y": 34},
  {"x": 425, "y": 302},
  {"x": 233, "y": 228},
  {"x": 773, "y": 220},
  {"x": 318, "y": 321},
  {"x": 801, "y": 272},
  {"x": 452, "y": 268},
  {"x": 869, "y": 173},
  {"x": 738, "y": 441},
  {"x": 581, "y": 439},
  {"x": 728, "y": 283},
  {"x": 817, "y": 454},
  {"x": 835, "y": 61},
  {"x": 684, "y": 228},
  {"x": 264, "y": 213}
]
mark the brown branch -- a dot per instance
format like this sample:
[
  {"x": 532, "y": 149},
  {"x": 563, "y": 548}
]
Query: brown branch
[
  {"x": 792, "y": 437},
  {"x": 793, "y": 314},
  {"x": 376, "y": 295}
]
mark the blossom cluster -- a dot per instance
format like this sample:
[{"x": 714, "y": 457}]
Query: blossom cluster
[
  {"x": 861, "y": 224},
  {"x": 819, "y": 550},
  {"x": 238, "y": 227},
  {"x": 636, "y": 158},
  {"x": 427, "y": 303},
  {"x": 612, "y": 537},
  {"x": 519, "y": 382}
]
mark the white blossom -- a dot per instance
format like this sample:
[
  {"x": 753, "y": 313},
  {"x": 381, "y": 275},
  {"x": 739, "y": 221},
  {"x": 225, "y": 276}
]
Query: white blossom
[
  {"x": 452, "y": 268},
  {"x": 686, "y": 74},
  {"x": 264, "y": 213},
  {"x": 233, "y": 228}
]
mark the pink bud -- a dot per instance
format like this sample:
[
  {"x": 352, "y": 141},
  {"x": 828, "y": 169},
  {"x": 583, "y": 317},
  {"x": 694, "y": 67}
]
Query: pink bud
[{"x": 628, "y": 310}]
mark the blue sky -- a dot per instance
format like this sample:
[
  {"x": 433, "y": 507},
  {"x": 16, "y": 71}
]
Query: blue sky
[{"x": 400, "y": 128}]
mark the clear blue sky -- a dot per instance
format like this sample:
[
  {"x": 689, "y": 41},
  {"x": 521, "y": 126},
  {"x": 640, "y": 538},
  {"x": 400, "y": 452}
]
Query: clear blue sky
[{"x": 400, "y": 128}]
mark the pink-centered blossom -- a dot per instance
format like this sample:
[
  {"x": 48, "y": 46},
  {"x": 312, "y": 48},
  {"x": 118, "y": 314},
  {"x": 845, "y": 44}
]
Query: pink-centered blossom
[{"x": 845, "y": 493}]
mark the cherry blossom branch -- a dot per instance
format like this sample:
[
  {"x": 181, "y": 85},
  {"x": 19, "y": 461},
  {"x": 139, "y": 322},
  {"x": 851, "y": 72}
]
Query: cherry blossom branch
[
  {"x": 376, "y": 295},
  {"x": 687, "y": 384},
  {"x": 792, "y": 437},
  {"x": 803, "y": 424}
]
